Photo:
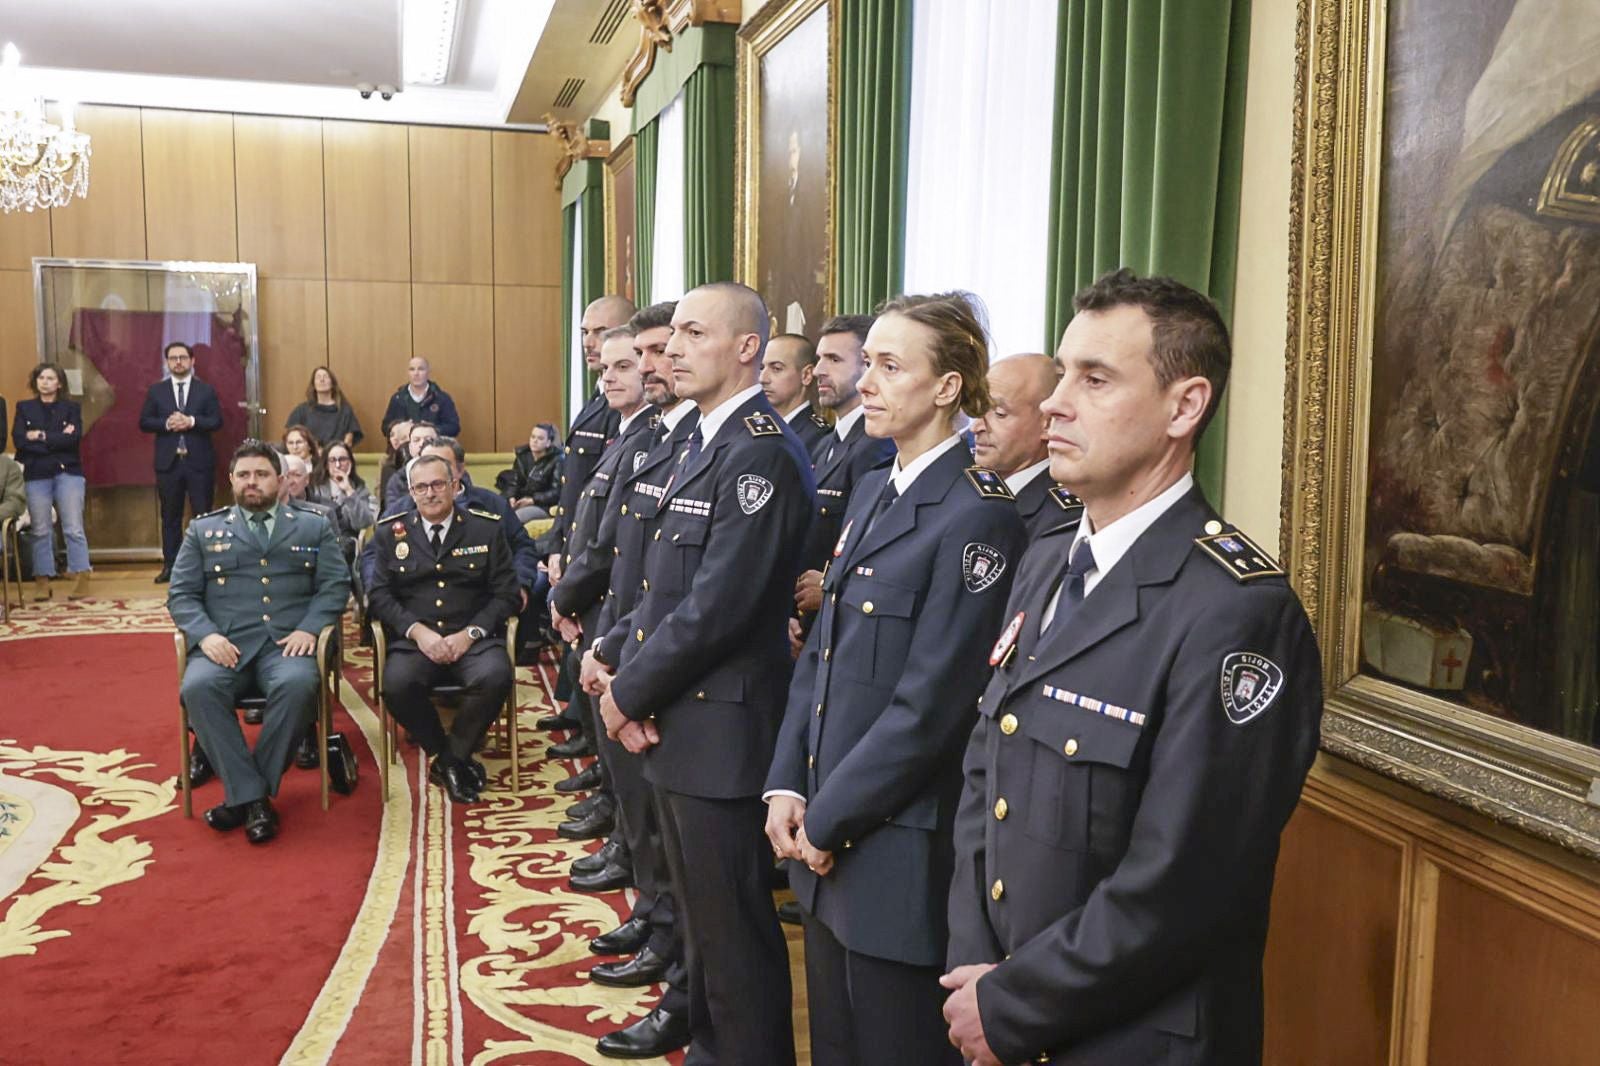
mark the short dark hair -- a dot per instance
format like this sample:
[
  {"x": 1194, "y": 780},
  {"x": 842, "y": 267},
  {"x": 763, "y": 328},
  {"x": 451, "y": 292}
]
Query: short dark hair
[
  {"x": 653, "y": 317},
  {"x": 549, "y": 431},
  {"x": 860, "y": 325},
  {"x": 624, "y": 330},
  {"x": 167, "y": 351},
  {"x": 1188, "y": 337},
  {"x": 256, "y": 449},
  {"x": 33, "y": 376},
  {"x": 808, "y": 351},
  {"x": 455, "y": 448}
]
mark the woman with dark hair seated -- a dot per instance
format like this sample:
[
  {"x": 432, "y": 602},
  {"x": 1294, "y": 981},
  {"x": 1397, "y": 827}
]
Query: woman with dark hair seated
[
  {"x": 336, "y": 485},
  {"x": 533, "y": 484},
  {"x": 299, "y": 440}
]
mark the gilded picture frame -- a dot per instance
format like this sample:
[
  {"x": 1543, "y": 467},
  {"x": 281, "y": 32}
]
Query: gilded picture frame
[
  {"x": 621, "y": 225},
  {"x": 767, "y": 31},
  {"x": 1542, "y": 784}
]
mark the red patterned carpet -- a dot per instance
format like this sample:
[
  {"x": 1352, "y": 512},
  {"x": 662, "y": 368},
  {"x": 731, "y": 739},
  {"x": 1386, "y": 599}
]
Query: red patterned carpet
[{"x": 412, "y": 931}]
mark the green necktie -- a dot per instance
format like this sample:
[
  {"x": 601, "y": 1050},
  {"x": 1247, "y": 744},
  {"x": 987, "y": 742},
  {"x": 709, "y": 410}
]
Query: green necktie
[{"x": 262, "y": 520}]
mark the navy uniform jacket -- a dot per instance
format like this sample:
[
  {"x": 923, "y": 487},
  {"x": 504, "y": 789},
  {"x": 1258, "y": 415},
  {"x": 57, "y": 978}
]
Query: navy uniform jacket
[
  {"x": 525, "y": 558},
  {"x": 839, "y": 465},
  {"x": 1044, "y": 506},
  {"x": 632, "y": 522},
  {"x": 200, "y": 403},
  {"x": 436, "y": 407},
  {"x": 709, "y": 656},
  {"x": 226, "y": 581},
  {"x": 811, "y": 428},
  {"x": 470, "y": 583},
  {"x": 1126, "y": 786},
  {"x": 586, "y": 571},
  {"x": 595, "y": 424},
  {"x": 881, "y": 704}
]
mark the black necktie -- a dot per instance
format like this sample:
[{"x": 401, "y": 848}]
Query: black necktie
[
  {"x": 885, "y": 498},
  {"x": 1081, "y": 563},
  {"x": 183, "y": 392},
  {"x": 436, "y": 538}
]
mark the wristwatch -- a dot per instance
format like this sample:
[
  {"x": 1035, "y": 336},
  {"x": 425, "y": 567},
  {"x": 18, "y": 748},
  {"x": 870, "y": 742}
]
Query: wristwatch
[{"x": 476, "y": 632}]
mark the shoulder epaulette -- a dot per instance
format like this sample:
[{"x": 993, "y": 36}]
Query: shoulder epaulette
[
  {"x": 397, "y": 516},
  {"x": 990, "y": 485},
  {"x": 211, "y": 514},
  {"x": 1238, "y": 554},
  {"x": 819, "y": 421},
  {"x": 762, "y": 425},
  {"x": 484, "y": 514},
  {"x": 1066, "y": 500},
  {"x": 307, "y": 506}
]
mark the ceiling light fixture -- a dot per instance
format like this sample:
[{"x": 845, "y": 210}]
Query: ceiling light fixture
[
  {"x": 429, "y": 40},
  {"x": 41, "y": 165}
]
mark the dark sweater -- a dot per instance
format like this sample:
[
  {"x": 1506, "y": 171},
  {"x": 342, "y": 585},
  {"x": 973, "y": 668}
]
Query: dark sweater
[{"x": 328, "y": 422}]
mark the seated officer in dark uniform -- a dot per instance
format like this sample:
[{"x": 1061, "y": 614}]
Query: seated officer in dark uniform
[
  {"x": 700, "y": 687},
  {"x": 252, "y": 586},
  {"x": 1009, "y": 439},
  {"x": 444, "y": 585},
  {"x": 1145, "y": 736},
  {"x": 863, "y": 787},
  {"x": 786, "y": 379}
]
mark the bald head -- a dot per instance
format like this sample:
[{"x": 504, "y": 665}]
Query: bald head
[
  {"x": 1011, "y": 436},
  {"x": 608, "y": 312},
  {"x": 741, "y": 307},
  {"x": 718, "y": 334}
]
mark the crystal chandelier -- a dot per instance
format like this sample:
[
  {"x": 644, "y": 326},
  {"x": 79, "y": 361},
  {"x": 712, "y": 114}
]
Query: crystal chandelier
[{"x": 41, "y": 165}]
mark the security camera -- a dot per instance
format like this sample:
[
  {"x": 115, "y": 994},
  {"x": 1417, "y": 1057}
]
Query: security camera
[
  {"x": 387, "y": 91},
  {"x": 365, "y": 89}
]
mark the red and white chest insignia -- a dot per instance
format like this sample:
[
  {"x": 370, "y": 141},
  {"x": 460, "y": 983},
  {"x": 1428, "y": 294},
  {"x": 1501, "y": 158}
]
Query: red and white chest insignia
[
  {"x": 838, "y": 549},
  {"x": 1007, "y": 641}
]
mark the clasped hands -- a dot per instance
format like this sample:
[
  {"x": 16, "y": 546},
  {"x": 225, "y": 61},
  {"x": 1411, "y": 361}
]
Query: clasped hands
[
  {"x": 595, "y": 679},
  {"x": 177, "y": 422},
  {"x": 222, "y": 651},
  {"x": 786, "y": 829},
  {"x": 442, "y": 650},
  {"x": 570, "y": 629}
]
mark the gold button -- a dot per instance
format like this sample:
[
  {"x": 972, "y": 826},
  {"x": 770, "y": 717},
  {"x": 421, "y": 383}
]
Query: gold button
[
  {"x": 263, "y": 562},
  {"x": 646, "y": 584},
  {"x": 640, "y": 634},
  {"x": 1008, "y": 724},
  {"x": 847, "y": 843},
  {"x": 811, "y": 761},
  {"x": 1213, "y": 527},
  {"x": 438, "y": 603},
  {"x": 699, "y": 695},
  {"x": 1000, "y": 809},
  {"x": 616, "y": 551},
  {"x": 675, "y": 536},
  {"x": 827, "y": 653},
  {"x": 216, "y": 568},
  {"x": 819, "y": 708},
  {"x": 266, "y": 618},
  {"x": 438, "y": 566},
  {"x": 266, "y": 599},
  {"x": 980, "y": 701},
  {"x": 266, "y": 581},
  {"x": 624, "y": 508},
  {"x": 441, "y": 584},
  {"x": 658, "y": 534},
  {"x": 997, "y": 890},
  {"x": 1071, "y": 746},
  {"x": 823, "y": 510},
  {"x": 866, "y": 608}
]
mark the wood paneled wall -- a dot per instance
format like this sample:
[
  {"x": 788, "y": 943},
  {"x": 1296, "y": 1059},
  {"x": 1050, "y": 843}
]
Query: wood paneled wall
[
  {"x": 372, "y": 243},
  {"x": 1403, "y": 937}
]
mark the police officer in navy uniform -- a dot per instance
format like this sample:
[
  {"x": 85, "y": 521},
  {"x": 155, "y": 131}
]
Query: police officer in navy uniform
[
  {"x": 252, "y": 587},
  {"x": 841, "y": 458},
  {"x": 699, "y": 687},
  {"x": 444, "y": 586},
  {"x": 863, "y": 787},
  {"x": 1009, "y": 439},
  {"x": 787, "y": 380},
  {"x": 1144, "y": 737}
]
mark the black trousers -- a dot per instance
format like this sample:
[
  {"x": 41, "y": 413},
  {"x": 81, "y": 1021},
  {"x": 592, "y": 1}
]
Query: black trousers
[
  {"x": 738, "y": 964},
  {"x": 185, "y": 480},
  {"x": 867, "y": 1011},
  {"x": 483, "y": 672}
]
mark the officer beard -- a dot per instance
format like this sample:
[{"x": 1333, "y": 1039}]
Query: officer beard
[{"x": 667, "y": 397}]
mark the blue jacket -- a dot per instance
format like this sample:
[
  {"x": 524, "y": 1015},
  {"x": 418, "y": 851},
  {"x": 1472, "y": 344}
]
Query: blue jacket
[
  {"x": 436, "y": 407},
  {"x": 62, "y": 423}
]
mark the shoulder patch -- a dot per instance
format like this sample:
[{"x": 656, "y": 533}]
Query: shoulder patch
[
  {"x": 1064, "y": 499},
  {"x": 210, "y": 514},
  {"x": 398, "y": 515},
  {"x": 762, "y": 425},
  {"x": 1239, "y": 555},
  {"x": 990, "y": 485},
  {"x": 492, "y": 516}
]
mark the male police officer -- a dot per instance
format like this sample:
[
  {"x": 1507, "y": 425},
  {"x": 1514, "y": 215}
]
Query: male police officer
[
  {"x": 252, "y": 586},
  {"x": 1010, "y": 440},
  {"x": 708, "y": 659},
  {"x": 444, "y": 584},
  {"x": 1145, "y": 737},
  {"x": 787, "y": 380}
]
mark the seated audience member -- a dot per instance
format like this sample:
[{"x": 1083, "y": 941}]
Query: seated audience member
[
  {"x": 533, "y": 484},
  {"x": 1010, "y": 439},
  {"x": 255, "y": 632},
  {"x": 299, "y": 440},
  {"x": 444, "y": 585},
  {"x": 296, "y": 479},
  {"x": 395, "y": 492},
  {"x": 420, "y": 400},
  {"x": 341, "y": 490},
  {"x": 326, "y": 412},
  {"x": 394, "y": 454},
  {"x": 13, "y": 498},
  {"x": 787, "y": 367}
]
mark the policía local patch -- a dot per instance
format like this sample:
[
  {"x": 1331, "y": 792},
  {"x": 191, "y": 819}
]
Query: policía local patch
[
  {"x": 981, "y": 566},
  {"x": 1250, "y": 683},
  {"x": 754, "y": 491}
]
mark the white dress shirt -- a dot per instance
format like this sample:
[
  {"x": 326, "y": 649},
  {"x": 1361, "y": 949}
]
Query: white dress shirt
[
  {"x": 712, "y": 420},
  {"x": 902, "y": 476},
  {"x": 678, "y": 413},
  {"x": 845, "y": 422},
  {"x": 1022, "y": 478},
  {"x": 805, "y": 405}
]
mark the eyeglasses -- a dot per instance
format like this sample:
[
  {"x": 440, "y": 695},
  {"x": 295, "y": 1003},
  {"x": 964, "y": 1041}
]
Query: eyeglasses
[
  {"x": 430, "y": 488},
  {"x": 341, "y": 459}
]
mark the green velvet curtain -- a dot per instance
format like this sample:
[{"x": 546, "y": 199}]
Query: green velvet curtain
[
  {"x": 709, "y": 131},
  {"x": 874, "y": 132},
  {"x": 644, "y": 209},
  {"x": 569, "y": 233},
  {"x": 1148, "y": 155},
  {"x": 593, "y": 206}
]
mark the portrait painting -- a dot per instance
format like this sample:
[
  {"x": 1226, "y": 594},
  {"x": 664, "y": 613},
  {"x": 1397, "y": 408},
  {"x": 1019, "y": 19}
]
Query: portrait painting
[
  {"x": 785, "y": 206},
  {"x": 621, "y": 225}
]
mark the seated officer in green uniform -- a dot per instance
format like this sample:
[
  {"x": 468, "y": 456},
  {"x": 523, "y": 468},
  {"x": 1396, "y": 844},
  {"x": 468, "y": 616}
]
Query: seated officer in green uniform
[{"x": 252, "y": 586}]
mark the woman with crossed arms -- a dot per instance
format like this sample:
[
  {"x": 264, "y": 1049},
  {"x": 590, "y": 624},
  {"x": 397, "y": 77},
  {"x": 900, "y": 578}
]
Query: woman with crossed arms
[{"x": 864, "y": 785}]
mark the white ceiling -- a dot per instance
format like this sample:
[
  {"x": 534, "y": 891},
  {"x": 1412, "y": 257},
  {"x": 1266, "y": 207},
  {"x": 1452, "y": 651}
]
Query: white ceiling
[{"x": 294, "y": 57}]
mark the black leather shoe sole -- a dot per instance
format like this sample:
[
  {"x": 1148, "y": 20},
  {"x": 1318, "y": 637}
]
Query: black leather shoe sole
[
  {"x": 627, "y": 938},
  {"x": 607, "y": 880}
]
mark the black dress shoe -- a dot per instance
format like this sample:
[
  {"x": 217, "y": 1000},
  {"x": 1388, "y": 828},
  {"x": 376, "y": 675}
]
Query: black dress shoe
[
  {"x": 625, "y": 939},
  {"x": 453, "y": 776},
  {"x": 645, "y": 968},
  {"x": 586, "y": 806},
  {"x": 577, "y": 747},
  {"x": 305, "y": 754},
  {"x": 599, "y": 823},
  {"x": 606, "y": 879},
  {"x": 555, "y": 721},
  {"x": 615, "y": 849},
  {"x": 254, "y": 715},
  {"x": 660, "y": 1032},
  {"x": 587, "y": 778},
  {"x": 260, "y": 821},
  {"x": 200, "y": 770},
  {"x": 789, "y": 913},
  {"x": 165, "y": 575},
  {"x": 223, "y": 817},
  {"x": 480, "y": 774}
]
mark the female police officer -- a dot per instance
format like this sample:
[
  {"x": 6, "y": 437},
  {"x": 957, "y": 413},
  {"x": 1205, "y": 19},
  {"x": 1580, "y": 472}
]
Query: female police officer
[{"x": 864, "y": 784}]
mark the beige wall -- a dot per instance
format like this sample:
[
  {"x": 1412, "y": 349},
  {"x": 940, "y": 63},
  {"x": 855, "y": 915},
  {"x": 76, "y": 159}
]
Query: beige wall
[
  {"x": 1255, "y": 406},
  {"x": 373, "y": 242}
]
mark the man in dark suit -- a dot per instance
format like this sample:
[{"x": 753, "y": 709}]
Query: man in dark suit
[
  {"x": 1145, "y": 736},
  {"x": 708, "y": 659},
  {"x": 1009, "y": 439},
  {"x": 182, "y": 411},
  {"x": 787, "y": 369}
]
